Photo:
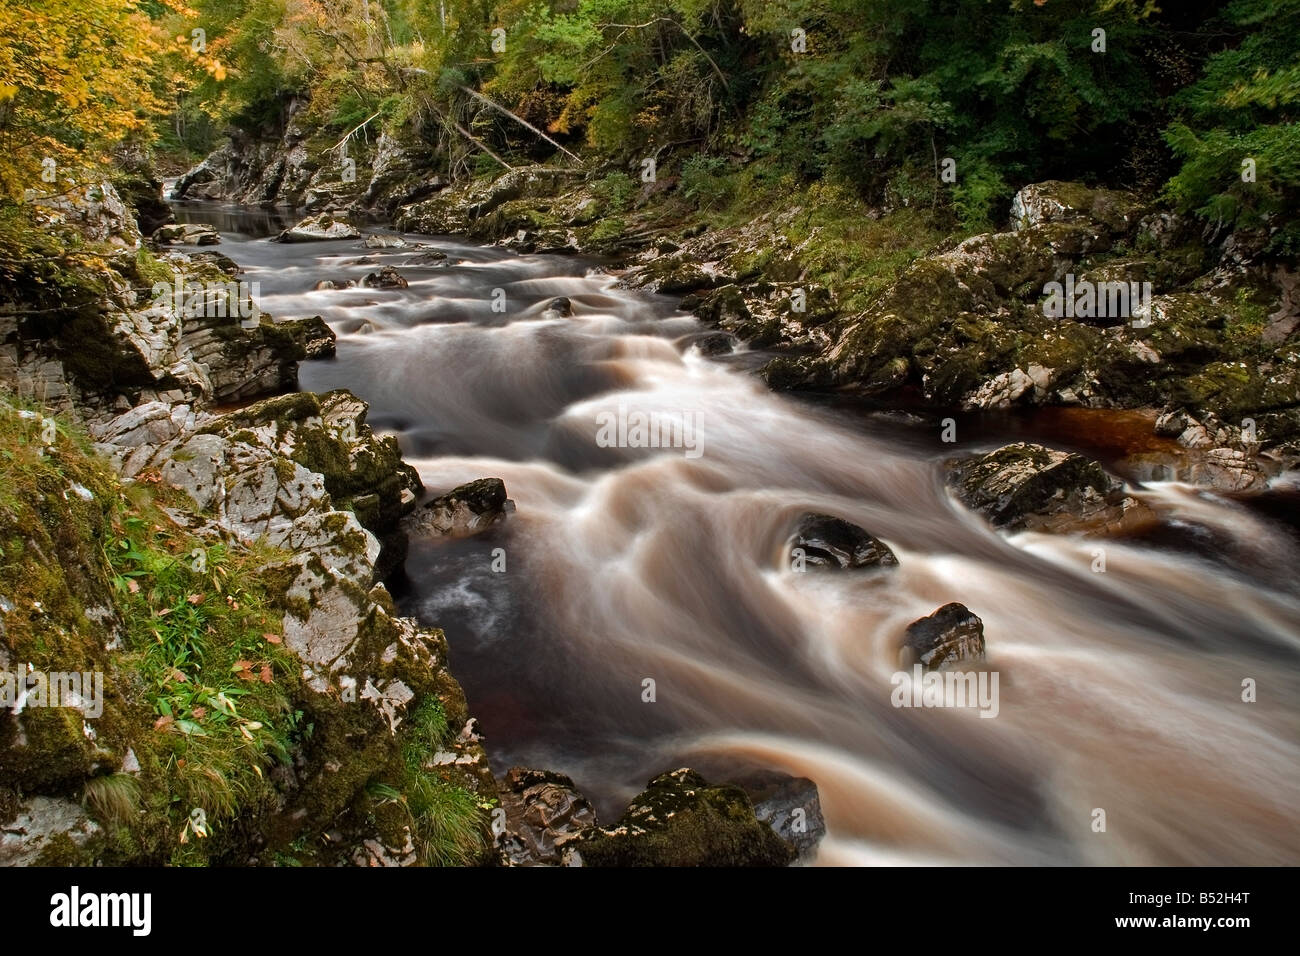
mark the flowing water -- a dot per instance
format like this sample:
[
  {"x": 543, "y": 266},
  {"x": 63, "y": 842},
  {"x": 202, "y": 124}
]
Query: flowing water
[{"x": 1119, "y": 691}]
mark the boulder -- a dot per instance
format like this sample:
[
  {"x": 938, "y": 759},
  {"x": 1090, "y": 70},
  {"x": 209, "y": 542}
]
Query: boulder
[
  {"x": 679, "y": 820},
  {"x": 385, "y": 278},
  {"x": 383, "y": 241},
  {"x": 950, "y": 635},
  {"x": 791, "y": 806},
  {"x": 560, "y": 306},
  {"x": 1029, "y": 487},
  {"x": 824, "y": 541},
  {"x": 187, "y": 233},
  {"x": 544, "y": 810},
  {"x": 465, "y": 510},
  {"x": 318, "y": 229}
]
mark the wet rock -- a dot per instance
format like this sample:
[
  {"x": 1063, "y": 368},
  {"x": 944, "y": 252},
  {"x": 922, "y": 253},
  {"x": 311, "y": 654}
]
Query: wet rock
[
  {"x": 560, "y": 306},
  {"x": 384, "y": 241},
  {"x": 195, "y": 234},
  {"x": 824, "y": 541},
  {"x": 544, "y": 810},
  {"x": 433, "y": 258},
  {"x": 1029, "y": 487},
  {"x": 791, "y": 806},
  {"x": 313, "y": 336},
  {"x": 715, "y": 343},
  {"x": 950, "y": 635},
  {"x": 319, "y": 228},
  {"x": 385, "y": 278},
  {"x": 467, "y": 509},
  {"x": 327, "y": 284},
  {"x": 679, "y": 820}
]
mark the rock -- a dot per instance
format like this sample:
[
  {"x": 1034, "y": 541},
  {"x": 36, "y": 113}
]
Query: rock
[
  {"x": 319, "y": 228},
  {"x": 561, "y": 306},
  {"x": 425, "y": 259},
  {"x": 197, "y": 234},
  {"x": 1056, "y": 201},
  {"x": 47, "y": 831},
  {"x": 380, "y": 241},
  {"x": 544, "y": 810},
  {"x": 326, "y": 284},
  {"x": 465, "y": 510},
  {"x": 1029, "y": 487},
  {"x": 385, "y": 278},
  {"x": 679, "y": 820},
  {"x": 950, "y": 635},
  {"x": 791, "y": 806},
  {"x": 313, "y": 336},
  {"x": 829, "y": 542},
  {"x": 715, "y": 343},
  {"x": 95, "y": 210}
]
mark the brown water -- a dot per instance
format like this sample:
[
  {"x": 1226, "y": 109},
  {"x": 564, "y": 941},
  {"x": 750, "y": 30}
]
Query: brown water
[{"x": 1118, "y": 690}]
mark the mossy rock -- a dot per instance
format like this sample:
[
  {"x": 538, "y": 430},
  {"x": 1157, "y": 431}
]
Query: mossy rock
[{"x": 679, "y": 820}]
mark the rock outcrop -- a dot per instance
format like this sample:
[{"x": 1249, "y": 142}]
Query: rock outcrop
[
  {"x": 680, "y": 820},
  {"x": 465, "y": 510},
  {"x": 300, "y": 482},
  {"x": 1029, "y": 487}
]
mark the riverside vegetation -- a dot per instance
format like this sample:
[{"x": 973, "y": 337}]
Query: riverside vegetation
[{"x": 874, "y": 196}]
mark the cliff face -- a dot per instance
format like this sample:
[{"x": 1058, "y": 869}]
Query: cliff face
[
  {"x": 219, "y": 574},
  {"x": 293, "y": 165}
]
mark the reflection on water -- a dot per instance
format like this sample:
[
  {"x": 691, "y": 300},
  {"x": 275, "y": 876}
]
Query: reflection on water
[{"x": 1120, "y": 690}]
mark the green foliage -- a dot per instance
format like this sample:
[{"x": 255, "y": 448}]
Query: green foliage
[
  {"x": 1244, "y": 108},
  {"x": 705, "y": 181}
]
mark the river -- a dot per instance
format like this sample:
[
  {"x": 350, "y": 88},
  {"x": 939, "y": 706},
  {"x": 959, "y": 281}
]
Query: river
[{"x": 1119, "y": 691}]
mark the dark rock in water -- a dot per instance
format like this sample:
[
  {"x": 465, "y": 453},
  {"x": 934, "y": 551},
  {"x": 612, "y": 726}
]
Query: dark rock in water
[
  {"x": 427, "y": 258},
  {"x": 679, "y": 820},
  {"x": 465, "y": 510},
  {"x": 830, "y": 542},
  {"x": 544, "y": 810},
  {"x": 334, "y": 284},
  {"x": 1024, "y": 486},
  {"x": 560, "y": 306},
  {"x": 949, "y": 635},
  {"x": 385, "y": 278},
  {"x": 716, "y": 343},
  {"x": 791, "y": 806}
]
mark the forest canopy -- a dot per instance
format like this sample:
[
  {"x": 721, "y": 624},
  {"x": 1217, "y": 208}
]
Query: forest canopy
[{"x": 876, "y": 95}]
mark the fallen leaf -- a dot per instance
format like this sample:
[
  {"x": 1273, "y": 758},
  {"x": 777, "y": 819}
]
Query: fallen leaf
[
  {"x": 272, "y": 638},
  {"x": 161, "y": 723},
  {"x": 133, "y": 587},
  {"x": 179, "y": 677},
  {"x": 195, "y": 599},
  {"x": 266, "y": 673},
  {"x": 200, "y": 712}
]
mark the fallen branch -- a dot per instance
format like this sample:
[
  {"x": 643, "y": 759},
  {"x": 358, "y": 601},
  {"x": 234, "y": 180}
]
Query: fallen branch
[
  {"x": 521, "y": 121},
  {"x": 480, "y": 144}
]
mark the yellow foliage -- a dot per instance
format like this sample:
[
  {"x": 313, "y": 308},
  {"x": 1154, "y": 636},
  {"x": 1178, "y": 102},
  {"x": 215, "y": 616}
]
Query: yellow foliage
[{"x": 75, "y": 79}]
